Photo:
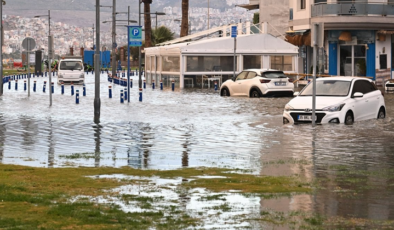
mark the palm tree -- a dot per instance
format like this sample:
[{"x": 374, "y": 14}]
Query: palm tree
[
  {"x": 161, "y": 34},
  {"x": 147, "y": 21},
  {"x": 185, "y": 18}
]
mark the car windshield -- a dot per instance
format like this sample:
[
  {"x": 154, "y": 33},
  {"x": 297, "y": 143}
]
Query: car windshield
[
  {"x": 328, "y": 88},
  {"x": 71, "y": 65},
  {"x": 276, "y": 74}
]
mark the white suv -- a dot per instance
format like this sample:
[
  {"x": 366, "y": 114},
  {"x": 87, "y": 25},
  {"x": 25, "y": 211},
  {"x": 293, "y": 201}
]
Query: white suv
[
  {"x": 71, "y": 70},
  {"x": 257, "y": 83}
]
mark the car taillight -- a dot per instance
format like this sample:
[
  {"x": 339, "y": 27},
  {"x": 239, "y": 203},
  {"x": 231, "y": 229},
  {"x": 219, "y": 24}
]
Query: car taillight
[
  {"x": 264, "y": 81},
  {"x": 291, "y": 80}
]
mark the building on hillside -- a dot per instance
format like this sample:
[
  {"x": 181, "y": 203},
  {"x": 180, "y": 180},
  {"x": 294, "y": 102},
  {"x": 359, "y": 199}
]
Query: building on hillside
[{"x": 358, "y": 35}]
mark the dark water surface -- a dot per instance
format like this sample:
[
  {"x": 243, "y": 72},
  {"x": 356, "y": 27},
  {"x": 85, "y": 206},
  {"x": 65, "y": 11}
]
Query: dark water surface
[{"x": 193, "y": 128}]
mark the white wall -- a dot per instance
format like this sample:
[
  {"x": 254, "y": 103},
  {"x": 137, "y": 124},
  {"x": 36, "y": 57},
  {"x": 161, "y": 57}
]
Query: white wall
[
  {"x": 301, "y": 14},
  {"x": 386, "y": 45}
]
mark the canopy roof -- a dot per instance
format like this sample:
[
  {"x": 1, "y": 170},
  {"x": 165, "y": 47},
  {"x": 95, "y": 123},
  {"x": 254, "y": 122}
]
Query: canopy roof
[{"x": 264, "y": 44}]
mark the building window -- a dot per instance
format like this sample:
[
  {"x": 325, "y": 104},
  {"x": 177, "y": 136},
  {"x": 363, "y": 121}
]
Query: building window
[
  {"x": 170, "y": 64},
  {"x": 252, "y": 62},
  {"x": 283, "y": 63},
  {"x": 209, "y": 63},
  {"x": 323, "y": 1},
  {"x": 303, "y": 4}
]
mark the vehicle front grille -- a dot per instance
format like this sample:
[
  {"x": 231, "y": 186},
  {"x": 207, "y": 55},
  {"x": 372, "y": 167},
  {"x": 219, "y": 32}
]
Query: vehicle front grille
[
  {"x": 295, "y": 117},
  {"x": 390, "y": 85}
]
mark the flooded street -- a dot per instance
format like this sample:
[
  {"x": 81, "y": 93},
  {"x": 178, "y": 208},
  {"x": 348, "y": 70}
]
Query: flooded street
[{"x": 198, "y": 128}]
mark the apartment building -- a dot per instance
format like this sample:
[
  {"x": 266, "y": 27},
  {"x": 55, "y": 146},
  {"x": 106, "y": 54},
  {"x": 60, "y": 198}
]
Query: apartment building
[{"x": 358, "y": 34}]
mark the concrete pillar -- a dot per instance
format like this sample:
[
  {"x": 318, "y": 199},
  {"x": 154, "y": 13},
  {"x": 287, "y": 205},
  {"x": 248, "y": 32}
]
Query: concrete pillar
[
  {"x": 247, "y": 24},
  {"x": 182, "y": 72},
  {"x": 239, "y": 27}
]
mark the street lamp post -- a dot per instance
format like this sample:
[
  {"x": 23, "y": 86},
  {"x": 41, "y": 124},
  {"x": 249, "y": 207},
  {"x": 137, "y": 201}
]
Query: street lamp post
[
  {"x": 113, "y": 38},
  {"x": 97, "y": 102},
  {"x": 139, "y": 49},
  {"x": 50, "y": 41}
]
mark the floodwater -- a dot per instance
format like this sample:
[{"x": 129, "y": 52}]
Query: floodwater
[{"x": 197, "y": 127}]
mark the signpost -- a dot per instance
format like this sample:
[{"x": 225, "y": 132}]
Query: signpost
[
  {"x": 317, "y": 41},
  {"x": 134, "y": 39},
  {"x": 234, "y": 35},
  {"x": 28, "y": 44}
]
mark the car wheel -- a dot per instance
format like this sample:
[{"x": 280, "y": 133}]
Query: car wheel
[
  {"x": 381, "y": 114},
  {"x": 349, "y": 118},
  {"x": 224, "y": 92},
  {"x": 255, "y": 94}
]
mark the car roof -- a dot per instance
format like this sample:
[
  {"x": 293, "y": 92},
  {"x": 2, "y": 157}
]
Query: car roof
[
  {"x": 262, "y": 70},
  {"x": 343, "y": 78}
]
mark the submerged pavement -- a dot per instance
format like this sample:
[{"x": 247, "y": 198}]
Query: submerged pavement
[{"x": 197, "y": 127}]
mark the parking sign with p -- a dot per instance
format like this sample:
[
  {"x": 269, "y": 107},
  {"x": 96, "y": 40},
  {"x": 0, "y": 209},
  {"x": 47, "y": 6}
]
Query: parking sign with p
[{"x": 135, "y": 35}]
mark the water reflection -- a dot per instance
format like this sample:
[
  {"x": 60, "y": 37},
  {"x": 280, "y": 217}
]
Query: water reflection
[
  {"x": 51, "y": 145},
  {"x": 186, "y": 149},
  {"x": 2, "y": 137},
  {"x": 97, "y": 139}
]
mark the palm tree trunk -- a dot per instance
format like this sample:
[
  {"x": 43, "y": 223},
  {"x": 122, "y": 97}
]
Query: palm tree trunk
[
  {"x": 148, "y": 25},
  {"x": 185, "y": 18}
]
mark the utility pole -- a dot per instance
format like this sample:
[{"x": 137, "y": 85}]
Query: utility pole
[
  {"x": 97, "y": 103},
  {"x": 113, "y": 38},
  {"x": 1, "y": 48},
  {"x": 93, "y": 35}
]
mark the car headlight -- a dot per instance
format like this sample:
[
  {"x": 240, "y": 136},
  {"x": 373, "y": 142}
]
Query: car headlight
[
  {"x": 82, "y": 75},
  {"x": 334, "y": 108},
  {"x": 288, "y": 108},
  {"x": 60, "y": 76}
]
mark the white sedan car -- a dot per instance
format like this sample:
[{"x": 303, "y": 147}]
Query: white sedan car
[
  {"x": 257, "y": 83},
  {"x": 338, "y": 100}
]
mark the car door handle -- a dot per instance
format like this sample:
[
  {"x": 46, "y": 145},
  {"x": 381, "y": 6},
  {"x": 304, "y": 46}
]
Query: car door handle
[{"x": 366, "y": 101}]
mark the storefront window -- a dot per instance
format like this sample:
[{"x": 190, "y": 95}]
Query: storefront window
[
  {"x": 171, "y": 64},
  {"x": 283, "y": 63},
  {"x": 209, "y": 63},
  {"x": 252, "y": 62}
]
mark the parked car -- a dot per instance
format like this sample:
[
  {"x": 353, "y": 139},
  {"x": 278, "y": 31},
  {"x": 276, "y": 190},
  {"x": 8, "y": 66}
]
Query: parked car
[
  {"x": 257, "y": 83},
  {"x": 389, "y": 85},
  {"x": 338, "y": 100},
  {"x": 71, "y": 70}
]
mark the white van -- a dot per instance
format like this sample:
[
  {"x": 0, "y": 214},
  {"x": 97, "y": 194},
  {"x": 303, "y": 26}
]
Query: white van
[{"x": 71, "y": 70}]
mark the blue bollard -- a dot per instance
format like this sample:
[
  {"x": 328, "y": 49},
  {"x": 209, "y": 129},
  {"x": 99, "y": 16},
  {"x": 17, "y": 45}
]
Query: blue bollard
[
  {"x": 46, "y": 74},
  {"x": 161, "y": 85},
  {"x": 72, "y": 89},
  {"x": 16, "y": 84},
  {"x": 77, "y": 97},
  {"x": 9, "y": 84},
  {"x": 140, "y": 94},
  {"x": 44, "y": 86},
  {"x": 173, "y": 85},
  {"x": 144, "y": 84},
  {"x": 35, "y": 86},
  {"x": 53, "y": 73},
  {"x": 153, "y": 84},
  {"x": 84, "y": 90},
  {"x": 125, "y": 94},
  {"x": 25, "y": 85},
  {"x": 121, "y": 96},
  {"x": 53, "y": 87},
  {"x": 131, "y": 83},
  {"x": 216, "y": 86},
  {"x": 62, "y": 88},
  {"x": 110, "y": 91}
]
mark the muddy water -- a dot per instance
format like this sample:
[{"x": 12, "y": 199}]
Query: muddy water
[{"x": 197, "y": 127}]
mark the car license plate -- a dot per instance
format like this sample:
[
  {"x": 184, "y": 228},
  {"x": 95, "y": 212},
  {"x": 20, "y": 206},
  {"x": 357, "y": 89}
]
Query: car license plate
[
  {"x": 280, "y": 83},
  {"x": 306, "y": 117}
]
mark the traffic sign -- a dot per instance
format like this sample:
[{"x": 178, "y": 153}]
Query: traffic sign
[
  {"x": 233, "y": 31},
  {"x": 28, "y": 44},
  {"x": 135, "y": 35}
]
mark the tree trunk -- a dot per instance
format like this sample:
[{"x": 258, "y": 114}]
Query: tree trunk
[
  {"x": 185, "y": 18},
  {"x": 148, "y": 24}
]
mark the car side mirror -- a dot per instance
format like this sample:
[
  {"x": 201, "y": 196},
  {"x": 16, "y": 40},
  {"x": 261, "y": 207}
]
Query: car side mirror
[
  {"x": 358, "y": 94},
  {"x": 295, "y": 94}
]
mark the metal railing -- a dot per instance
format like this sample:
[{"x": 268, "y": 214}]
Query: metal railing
[{"x": 352, "y": 9}]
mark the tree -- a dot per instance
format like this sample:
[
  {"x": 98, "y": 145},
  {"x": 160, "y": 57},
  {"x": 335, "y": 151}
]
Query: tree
[
  {"x": 161, "y": 34},
  {"x": 147, "y": 21},
  {"x": 185, "y": 18}
]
